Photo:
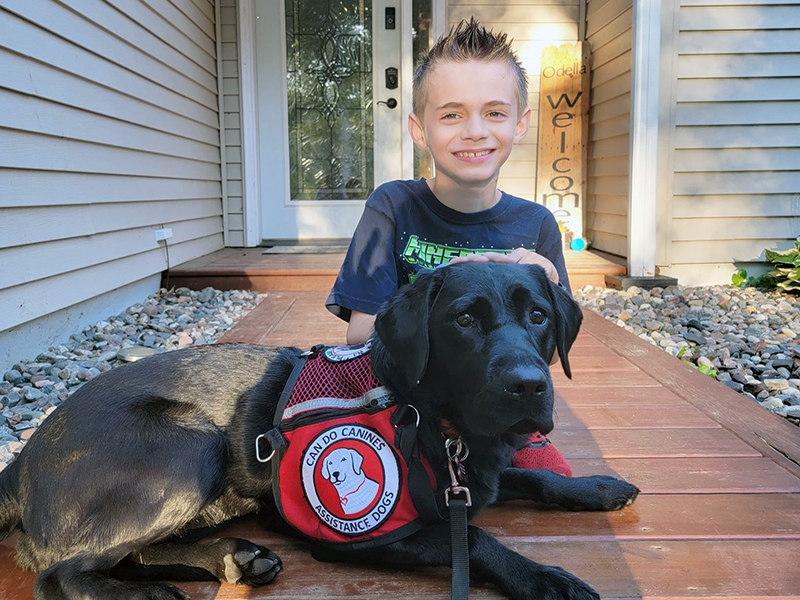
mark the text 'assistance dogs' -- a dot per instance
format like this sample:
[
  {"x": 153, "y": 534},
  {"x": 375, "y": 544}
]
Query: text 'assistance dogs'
[{"x": 364, "y": 450}]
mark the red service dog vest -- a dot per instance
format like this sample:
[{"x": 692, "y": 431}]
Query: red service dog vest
[{"x": 343, "y": 472}]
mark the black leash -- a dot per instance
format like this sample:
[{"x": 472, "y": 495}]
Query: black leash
[{"x": 458, "y": 498}]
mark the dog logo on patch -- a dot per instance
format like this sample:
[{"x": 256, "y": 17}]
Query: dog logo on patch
[
  {"x": 351, "y": 478},
  {"x": 343, "y": 353}
]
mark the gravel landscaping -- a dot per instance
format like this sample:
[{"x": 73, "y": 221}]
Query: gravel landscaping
[
  {"x": 745, "y": 338},
  {"x": 32, "y": 388}
]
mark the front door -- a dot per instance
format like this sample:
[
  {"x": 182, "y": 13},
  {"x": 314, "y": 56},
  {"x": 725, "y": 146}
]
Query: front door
[{"x": 331, "y": 112}]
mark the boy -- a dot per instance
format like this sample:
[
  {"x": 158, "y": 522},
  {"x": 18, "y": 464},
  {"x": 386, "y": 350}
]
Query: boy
[{"x": 469, "y": 109}]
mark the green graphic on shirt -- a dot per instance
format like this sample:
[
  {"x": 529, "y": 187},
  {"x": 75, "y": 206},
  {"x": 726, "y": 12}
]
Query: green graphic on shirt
[{"x": 430, "y": 255}]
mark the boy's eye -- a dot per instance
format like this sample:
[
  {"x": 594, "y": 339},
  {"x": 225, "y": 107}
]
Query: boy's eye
[
  {"x": 496, "y": 114},
  {"x": 450, "y": 116}
]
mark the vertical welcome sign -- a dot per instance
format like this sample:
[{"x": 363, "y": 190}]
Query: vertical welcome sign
[{"x": 563, "y": 127}]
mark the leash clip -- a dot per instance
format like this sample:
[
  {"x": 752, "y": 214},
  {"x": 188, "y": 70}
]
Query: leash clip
[{"x": 457, "y": 452}]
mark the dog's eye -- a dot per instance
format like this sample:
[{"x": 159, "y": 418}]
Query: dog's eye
[
  {"x": 465, "y": 320},
  {"x": 537, "y": 316}
]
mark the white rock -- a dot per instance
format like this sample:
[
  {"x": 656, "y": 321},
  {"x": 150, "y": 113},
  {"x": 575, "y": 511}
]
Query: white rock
[
  {"x": 776, "y": 384},
  {"x": 773, "y": 404}
]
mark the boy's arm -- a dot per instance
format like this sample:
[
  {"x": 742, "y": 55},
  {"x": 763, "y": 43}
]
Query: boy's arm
[
  {"x": 360, "y": 328},
  {"x": 368, "y": 276}
]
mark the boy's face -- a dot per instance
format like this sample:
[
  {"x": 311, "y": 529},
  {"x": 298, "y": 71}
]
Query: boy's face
[{"x": 471, "y": 121}]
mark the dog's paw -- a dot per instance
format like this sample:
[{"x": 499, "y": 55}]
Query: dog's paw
[
  {"x": 554, "y": 583},
  {"x": 246, "y": 563},
  {"x": 602, "y": 492}
]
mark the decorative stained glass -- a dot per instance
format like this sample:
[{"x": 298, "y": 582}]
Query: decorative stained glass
[{"x": 329, "y": 63}]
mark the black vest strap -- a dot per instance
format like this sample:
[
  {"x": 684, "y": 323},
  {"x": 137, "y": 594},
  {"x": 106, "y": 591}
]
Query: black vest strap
[
  {"x": 274, "y": 437},
  {"x": 289, "y": 386},
  {"x": 404, "y": 420}
]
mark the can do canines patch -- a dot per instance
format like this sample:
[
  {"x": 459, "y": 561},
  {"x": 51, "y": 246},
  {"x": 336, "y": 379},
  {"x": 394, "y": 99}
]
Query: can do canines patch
[{"x": 351, "y": 478}]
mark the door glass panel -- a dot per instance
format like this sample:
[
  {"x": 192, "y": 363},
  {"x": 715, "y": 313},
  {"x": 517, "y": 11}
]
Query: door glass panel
[
  {"x": 329, "y": 63},
  {"x": 422, "y": 11}
]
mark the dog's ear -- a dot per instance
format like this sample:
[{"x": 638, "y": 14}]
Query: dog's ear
[
  {"x": 356, "y": 460},
  {"x": 326, "y": 472},
  {"x": 568, "y": 322},
  {"x": 402, "y": 325}
]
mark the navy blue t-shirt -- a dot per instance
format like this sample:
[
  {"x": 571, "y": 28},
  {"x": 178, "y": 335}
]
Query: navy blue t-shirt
[{"x": 405, "y": 229}]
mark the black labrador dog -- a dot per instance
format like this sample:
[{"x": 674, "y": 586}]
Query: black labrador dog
[{"x": 108, "y": 493}]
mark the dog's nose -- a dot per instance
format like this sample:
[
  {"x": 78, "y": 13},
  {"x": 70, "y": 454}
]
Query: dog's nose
[
  {"x": 336, "y": 474},
  {"x": 525, "y": 382}
]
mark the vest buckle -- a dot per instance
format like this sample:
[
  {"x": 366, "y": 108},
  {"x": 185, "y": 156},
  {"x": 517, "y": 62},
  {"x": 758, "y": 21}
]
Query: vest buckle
[{"x": 275, "y": 440}]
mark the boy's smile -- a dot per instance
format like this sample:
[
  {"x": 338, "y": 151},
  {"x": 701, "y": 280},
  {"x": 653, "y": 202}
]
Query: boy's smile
[{"x": 471, "y": 122}]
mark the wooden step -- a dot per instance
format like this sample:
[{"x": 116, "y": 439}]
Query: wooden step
[{"x": 250, "y": 269}]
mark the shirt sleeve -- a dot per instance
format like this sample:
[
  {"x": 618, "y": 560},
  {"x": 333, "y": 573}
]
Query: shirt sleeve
[
  {"x": 368, "y": 276},
  {"x": 549, "y": 246}
]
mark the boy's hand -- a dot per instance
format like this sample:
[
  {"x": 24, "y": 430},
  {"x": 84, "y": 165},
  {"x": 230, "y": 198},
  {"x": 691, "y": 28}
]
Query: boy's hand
[{"x": 520, "y": 255}]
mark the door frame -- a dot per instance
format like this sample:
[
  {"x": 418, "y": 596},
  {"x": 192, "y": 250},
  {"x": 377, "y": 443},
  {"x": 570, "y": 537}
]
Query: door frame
[{"x": 251, "y": 159}]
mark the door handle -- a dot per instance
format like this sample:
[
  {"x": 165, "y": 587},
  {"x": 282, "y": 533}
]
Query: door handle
[{"x": 391, "y": 102}]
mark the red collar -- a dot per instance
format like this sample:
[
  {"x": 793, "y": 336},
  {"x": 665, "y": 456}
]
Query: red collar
[{"x": 448, "y": 430}]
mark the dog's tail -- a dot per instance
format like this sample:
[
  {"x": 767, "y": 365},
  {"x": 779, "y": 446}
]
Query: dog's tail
[{"x": 10, "y": 508}]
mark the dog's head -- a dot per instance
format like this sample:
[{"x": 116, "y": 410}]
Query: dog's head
[{"x": 480, "y": 337}]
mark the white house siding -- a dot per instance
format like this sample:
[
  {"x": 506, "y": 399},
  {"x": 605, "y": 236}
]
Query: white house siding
[
  {"x": 109, "y": 129},
  {"x": 232, "y": 116},
  {"x": 609, "y": 31},
  {"x": 736, "y": 140},
  {"x": 533, "y": 25}
]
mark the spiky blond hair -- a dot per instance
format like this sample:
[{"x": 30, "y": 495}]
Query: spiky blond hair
[{"x": 469, "y": 40}]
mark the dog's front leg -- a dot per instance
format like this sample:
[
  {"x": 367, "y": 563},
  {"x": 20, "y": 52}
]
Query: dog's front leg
[
  {"x": 599, "y": 492},
  {"x": 231, "y": 560},
  {"x": 489, "y": 560}
]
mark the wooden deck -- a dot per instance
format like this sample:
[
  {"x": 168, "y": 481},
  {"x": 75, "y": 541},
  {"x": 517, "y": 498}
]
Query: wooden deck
[
  {"x": 250, "y": 269},
  {"x": 719, "y": 513}
]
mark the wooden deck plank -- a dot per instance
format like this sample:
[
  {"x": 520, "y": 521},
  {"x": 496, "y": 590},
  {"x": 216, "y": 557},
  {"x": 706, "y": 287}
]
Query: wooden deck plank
[
  {"x": 649, "y": 443},
  {"x": 705, "y": 475},
  {"x": 666, "y": 517},
  {"x": 268, "y": 314},
  {"x": 630, "y": 417},
  {"x": 622, "y": 393},
  {"x": 604, "y": 379}
]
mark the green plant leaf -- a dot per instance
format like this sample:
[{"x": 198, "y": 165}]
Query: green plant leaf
[
  {"x": 707, "y": 371},
  {"x": 782, "y": 256},
  {"x": 738, "y": 278},
  {"x": 790, "y": 286}
]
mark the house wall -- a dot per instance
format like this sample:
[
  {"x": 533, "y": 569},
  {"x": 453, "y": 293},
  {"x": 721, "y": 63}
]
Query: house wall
[
  {"x": 533, "y": 25},
  {"x": 110, "y": 130},
  {"x": 735, "y": 138},
  {"x": 609, "y": 31},
  {"x": 231, "y": 108}
]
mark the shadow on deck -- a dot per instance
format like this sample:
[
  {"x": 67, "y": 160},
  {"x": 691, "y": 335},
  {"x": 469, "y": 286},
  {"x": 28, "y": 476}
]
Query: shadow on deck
[{"x": 719, "y": 513}]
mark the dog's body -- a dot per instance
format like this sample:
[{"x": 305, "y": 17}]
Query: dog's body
[{"x": 165, "y": 446}]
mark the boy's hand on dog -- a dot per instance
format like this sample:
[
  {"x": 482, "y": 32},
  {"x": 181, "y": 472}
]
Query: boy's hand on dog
[{"x": 519, "y": 255}]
